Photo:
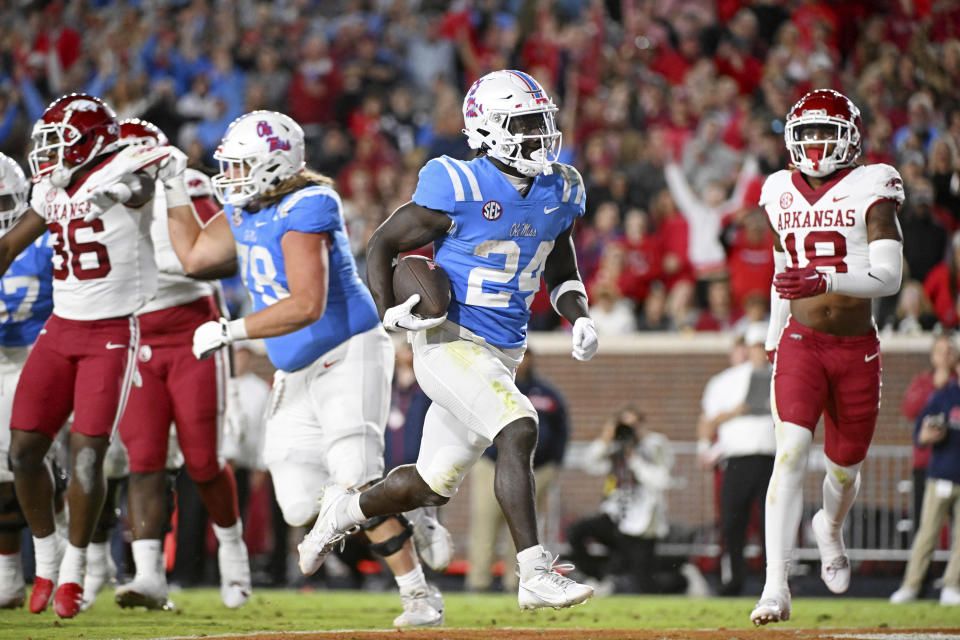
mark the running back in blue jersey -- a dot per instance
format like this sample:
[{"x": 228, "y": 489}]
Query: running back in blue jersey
[
  {"x": 26, "y": 290},
  {"x": 496, "y": 251},
  {"x": 350, "y": 308}
]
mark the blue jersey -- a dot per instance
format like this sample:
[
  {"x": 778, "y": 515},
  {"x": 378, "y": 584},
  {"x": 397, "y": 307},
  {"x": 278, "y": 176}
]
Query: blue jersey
[
  {"x": 497, "y": 249},
  {"x": 27, "y": 293},
  {"x": 350, "y": 308}
]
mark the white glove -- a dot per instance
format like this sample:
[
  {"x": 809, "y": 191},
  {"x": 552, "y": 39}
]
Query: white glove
[
  {"x": 400, "y": 317},
  {"x": 106, "y": 197},
  {"x": 172, "y": 166},
  {"x": 213, "y": 335},
  {"x": 584, "y": 339}
]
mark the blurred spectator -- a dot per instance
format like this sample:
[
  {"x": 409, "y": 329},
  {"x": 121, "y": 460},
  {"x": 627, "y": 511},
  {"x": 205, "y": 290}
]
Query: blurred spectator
[
  {"x": 719, "y": 314},
  {"x": 681, "y": 310},
  {"x": 943, "y": 359},
  {"x": 653, "y": 315},
  {"x": 937, "y": 426},
  {"x": 941, "y": 285},
  {"x": 486, "y": 519},
  {"x": 920, "y": 126},
  {"x": 611, "y": 312},
  {"x": 924, "y": 238},
  {"x": 735, "y": 431},
  {"x": 913, "y": 314}
]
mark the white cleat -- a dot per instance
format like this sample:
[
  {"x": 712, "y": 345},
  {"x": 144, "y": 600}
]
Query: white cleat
[
  {"x": 776, "y": 609},
  {"x": 950, "y": 596},
  {"x": 834, "y": 563},
  {"x": 432, "y": 540},
  {"x": 144, "y": 592},
  {"x": 235, "y": 584},
  {"x": 549, "y": 588},
  {"x": 13, "y": 589},
  {"x": 420, "y": 609},
  {"x": 325, "y": 535},
  {"x": 95, "y": 579},
  {"x": 904, "y": 595}
]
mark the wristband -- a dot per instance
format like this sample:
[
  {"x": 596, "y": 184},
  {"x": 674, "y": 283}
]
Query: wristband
[
  {"x": 569, "y": 285},
  {"x": 176, "y": 192},
  {"x": 238, "y": 329}
]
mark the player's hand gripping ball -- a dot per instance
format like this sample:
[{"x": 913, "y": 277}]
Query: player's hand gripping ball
[{"x": 422, "y": 290}]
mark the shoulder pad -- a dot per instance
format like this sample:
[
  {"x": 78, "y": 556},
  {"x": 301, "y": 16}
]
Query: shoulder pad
[{"x": 573, "y": 189}]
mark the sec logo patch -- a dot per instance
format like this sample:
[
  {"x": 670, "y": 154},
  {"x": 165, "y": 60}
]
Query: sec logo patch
[
  {"x": 491, "y": 210},
  {"x": 786, "y": 199}
]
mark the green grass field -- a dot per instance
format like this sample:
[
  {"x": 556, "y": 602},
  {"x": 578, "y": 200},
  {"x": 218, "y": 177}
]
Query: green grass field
[{"x": 200, "y": 613}]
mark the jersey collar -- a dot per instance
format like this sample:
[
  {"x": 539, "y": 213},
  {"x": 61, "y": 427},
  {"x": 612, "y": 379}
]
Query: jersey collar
[{"x": 812, "y": 195}]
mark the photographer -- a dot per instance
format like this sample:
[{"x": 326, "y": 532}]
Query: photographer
[
  {"x": 633, "y": 514},
  {"x": 938, "y": 425}
]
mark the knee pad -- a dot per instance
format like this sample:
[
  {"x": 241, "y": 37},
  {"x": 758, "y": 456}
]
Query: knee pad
[
  {"x": 11, "y": 515},
  {"x": 389, "y": 546},
  {"x": 300, "y": 513}
]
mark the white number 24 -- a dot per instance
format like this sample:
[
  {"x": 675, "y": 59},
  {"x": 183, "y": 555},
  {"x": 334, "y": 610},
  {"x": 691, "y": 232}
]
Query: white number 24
[{"x": 528, "y": 283}]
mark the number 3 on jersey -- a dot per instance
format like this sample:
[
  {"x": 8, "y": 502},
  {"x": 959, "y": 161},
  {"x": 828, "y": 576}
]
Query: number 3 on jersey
[
  {"x": 527, "y": 284},
  {"x": 88, "y": 260}
]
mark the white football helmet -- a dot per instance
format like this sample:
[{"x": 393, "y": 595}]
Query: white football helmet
[
  {"x": 13, "y": 192},
  {"x": 258, "y": 150},
  {"x": 505, "y": 113}
]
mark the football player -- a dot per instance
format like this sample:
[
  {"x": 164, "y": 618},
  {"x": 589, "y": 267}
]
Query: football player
[
  {"x": 190, "y": 393},
  {"x": 498, "y": 223},
  {"x": 837, "y": 245},
  {"x": 93, "y": 198},
  {"x": 27, "y": 302},
  {"x": 331, "y": 392}
]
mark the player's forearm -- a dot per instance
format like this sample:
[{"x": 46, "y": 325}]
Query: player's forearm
[
  {"x": 571, "y": 303},
  {"x": 881, "y": 279},
  {"x": 380, "y": 257},
  {"x": 779, "y": 308},
  {"x": 285, "y": 316}
]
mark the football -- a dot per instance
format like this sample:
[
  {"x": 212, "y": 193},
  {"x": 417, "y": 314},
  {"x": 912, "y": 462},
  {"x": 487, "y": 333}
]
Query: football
[{"x": 417, "y": 274}]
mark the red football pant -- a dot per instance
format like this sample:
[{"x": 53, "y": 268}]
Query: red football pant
[
  {"x": 84, "y": 366},
  {"x": 820, "y": 374}
]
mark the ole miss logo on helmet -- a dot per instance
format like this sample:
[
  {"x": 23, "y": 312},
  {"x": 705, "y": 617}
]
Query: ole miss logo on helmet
[{"x": 264, "y": 130}]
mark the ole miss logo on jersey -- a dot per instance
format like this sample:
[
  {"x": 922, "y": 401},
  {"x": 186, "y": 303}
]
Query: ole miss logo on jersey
[{"x": 491, "y": 210}]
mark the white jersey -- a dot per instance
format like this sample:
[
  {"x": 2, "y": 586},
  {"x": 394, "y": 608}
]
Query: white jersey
[
  {"x": 174, "y": 287},
  {"x": 103, "y": 268},
  {"x": 827, "y": 227}
]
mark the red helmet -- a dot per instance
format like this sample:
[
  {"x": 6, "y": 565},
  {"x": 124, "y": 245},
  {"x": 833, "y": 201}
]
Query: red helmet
[
  {"x": 137, "y": 132},
  {"x": 75, "y": 128},
  {"x": 823, "y": 107}
]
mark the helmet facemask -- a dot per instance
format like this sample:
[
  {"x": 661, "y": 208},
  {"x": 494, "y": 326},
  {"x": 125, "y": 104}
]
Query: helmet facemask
[
  {"x": 819, "y": 155},
  {"x": 530, "y": 142}
]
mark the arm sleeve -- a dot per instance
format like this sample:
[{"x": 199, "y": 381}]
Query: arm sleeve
[
  {"x": 312, "y": 210},
  {"x": 881, "y": 279},
  {"x": 779, "y": 308}
]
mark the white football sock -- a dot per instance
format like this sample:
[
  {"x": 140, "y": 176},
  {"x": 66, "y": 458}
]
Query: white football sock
[
  {"x": 840, "y": 488},
  {"x": 784, "y": 505},
  {"x": 528, "y": 559},
  {"x": 148, "y": 559},
  {"x": 45, "y": 552},
  {"x": 229, "y": 535},
  {"x": 97, "y": 554},
  {"x": 74, "y": 565},
  {"x": 352, "y": 513},
  {"x": 412, "y": 580}
]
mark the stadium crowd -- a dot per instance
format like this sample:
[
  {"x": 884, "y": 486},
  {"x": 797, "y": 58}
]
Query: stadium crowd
[{"x": 673, "y": 112}]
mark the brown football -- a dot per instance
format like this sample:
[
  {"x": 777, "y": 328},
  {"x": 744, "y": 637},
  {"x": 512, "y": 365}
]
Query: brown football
[{"x": 417, "y": 274}]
